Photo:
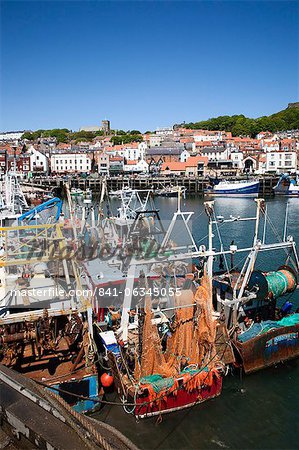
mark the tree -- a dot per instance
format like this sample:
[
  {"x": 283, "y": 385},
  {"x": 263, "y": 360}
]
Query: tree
[{"x": 242, "y": 125}]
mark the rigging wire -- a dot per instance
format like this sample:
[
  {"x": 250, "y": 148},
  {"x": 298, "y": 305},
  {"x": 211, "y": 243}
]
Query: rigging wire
[{"x": 222, "y": 247}]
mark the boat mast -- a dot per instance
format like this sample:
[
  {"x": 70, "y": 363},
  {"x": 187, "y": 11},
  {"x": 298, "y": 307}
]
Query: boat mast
[
  {"x": 209, "y": 207},
  {"x": 285, "y": 222},
  {"x": 71, "y": 209},
  {"x": 185, "y": 216},
  {"x": 250, "y": 261}
]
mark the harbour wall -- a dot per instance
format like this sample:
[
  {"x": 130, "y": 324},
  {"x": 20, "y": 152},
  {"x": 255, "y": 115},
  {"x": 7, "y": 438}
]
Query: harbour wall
[{"x": 195, "y": 186}]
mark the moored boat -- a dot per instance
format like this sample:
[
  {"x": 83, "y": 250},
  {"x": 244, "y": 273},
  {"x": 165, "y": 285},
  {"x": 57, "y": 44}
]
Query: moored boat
[
  {"x": 240, "y": 188},
  {"x": 45, "y": 316},
  {"x": 287, "y": 186},
  {"x": 262, "y": 333},
  {"x": 87, "y": 196},
  {"x": 12, "y": 199},
  {"x": 187, "y": 371},
  {"x": 171, "y": 191},
  {"x": 76, "y": 192},
  {"x": 164, "y": 344},
  {"x": 52, "y": 347}
]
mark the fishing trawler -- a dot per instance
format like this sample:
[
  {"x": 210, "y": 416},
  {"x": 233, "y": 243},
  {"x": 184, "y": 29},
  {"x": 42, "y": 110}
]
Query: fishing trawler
[
  {"x": 240, "y": 188},
  {"x": 287, "y": 185},
  {"x": 171, "y": 191},
  {"x": 45, "y": 315},
  {"x": 12, "y": 199},
  {"x": 262, "y": 333},
  {"x": 53, "y": 347},
  {"x": 122, "y": 193},
  {"x": 165, "y": 345},
  {"x": 133, "y": 227}
]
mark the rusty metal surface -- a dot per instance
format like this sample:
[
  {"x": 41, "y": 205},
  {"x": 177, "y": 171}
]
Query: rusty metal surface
[
  {"x": 46, "y": 348},
  {"x": 270, "y": 348},
  {"x": 223, "y": 344}
]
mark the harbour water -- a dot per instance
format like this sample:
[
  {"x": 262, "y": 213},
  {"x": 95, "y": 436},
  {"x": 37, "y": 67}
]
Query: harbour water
[{"x": 258, "y": 411}]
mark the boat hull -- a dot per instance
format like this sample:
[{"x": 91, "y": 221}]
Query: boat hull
[
  {"x": 270, "y": 348},
  {"x": 235, "y": 190},
  {"x": 168, "y": 194},
  {"x": 87, "y": 386},
  {"x": 175, "y": 402},
  {"x": 289, "y": 193}
]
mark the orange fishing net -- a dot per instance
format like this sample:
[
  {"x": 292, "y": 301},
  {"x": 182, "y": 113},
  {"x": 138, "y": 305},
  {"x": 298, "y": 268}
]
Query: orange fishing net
[
  {"x": 152, "y": 358},
  {"x": 192, "y": 341},
  {"x": 206, "y": 324}
]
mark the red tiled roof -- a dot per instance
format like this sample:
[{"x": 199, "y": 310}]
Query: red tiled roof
[
  {"x": 115, "y": 158},
  {"x": 192, "y": 161},
  {"x": 173, "y": 165}
]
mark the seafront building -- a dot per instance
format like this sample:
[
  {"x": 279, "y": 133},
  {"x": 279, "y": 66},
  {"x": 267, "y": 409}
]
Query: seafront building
[{"x": 167, "y": 151}]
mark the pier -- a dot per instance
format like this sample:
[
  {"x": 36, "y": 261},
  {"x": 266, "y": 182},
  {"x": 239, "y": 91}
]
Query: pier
[
  {"x": 22, "y": 405},
  {"x": 193, "y": 185}
]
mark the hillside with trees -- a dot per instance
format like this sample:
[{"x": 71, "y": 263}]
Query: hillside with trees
[
  {"x": 65, "y": 135},
  {"x": 240, "y": 125}
]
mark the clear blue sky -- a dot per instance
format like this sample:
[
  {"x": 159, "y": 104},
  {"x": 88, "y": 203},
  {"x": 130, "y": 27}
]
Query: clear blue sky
[{"x": 144, "y": 64}]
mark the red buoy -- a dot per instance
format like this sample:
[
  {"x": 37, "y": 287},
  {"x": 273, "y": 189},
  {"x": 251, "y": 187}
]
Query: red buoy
[{"x": 106, "y": 380}]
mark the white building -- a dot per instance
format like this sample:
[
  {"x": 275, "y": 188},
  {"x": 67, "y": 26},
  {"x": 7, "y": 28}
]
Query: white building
[
  {"x": 155, "y": 140},
  {"x": 207, "y": 136},
  {"x": 164, "y": 131},
  {"x": 11, "y": 135},
  {"x": 135, "y": 153},
  {"x": 136, "y": 166},
  {"x": 70, "y": 162},
  {"x": 184, "y": 156},
  {"x": 217, "y": 153},
  {"x": 269, "y": 146},
  {"x": 281, "y": 162},
  {"x": 38, "y": 160},
  {"x": 237, "y": 159},
  {"x": 102, "y": 159},
  {"x": 96, "y": 146}
]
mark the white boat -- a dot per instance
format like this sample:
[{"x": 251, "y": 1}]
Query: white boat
[
  {"x": 171, "y": 191},
  {"x": 234, "y": 188},
  {"x": 87, "y": 196},
  {"x": 12, "y": 199},
  {"x": 126, "y": 191},
  {"x": 76, "y": 192},
  {"x": 287, "y": 186}
]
